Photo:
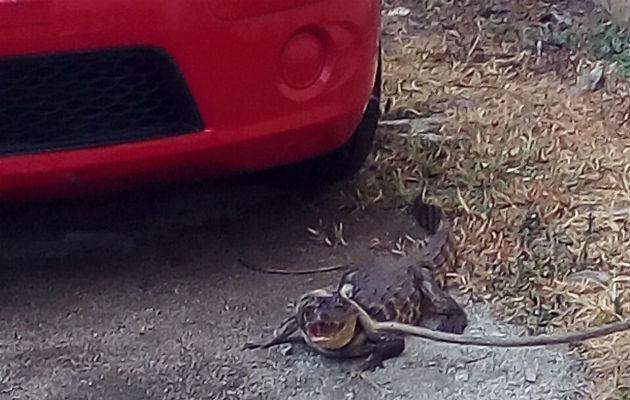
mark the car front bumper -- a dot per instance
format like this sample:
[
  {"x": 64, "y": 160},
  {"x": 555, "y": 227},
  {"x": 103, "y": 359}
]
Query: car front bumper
[{"x": 270, "y": 89}]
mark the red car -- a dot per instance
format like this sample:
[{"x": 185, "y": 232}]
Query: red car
[{"x": 104, "y": 94}]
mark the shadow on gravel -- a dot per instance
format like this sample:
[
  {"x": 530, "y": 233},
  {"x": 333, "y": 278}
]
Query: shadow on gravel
[{"x": 40, "y": 232}]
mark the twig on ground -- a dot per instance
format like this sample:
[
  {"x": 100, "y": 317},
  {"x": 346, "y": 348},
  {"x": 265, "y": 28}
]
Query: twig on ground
[{"x": 290, "y": 271}]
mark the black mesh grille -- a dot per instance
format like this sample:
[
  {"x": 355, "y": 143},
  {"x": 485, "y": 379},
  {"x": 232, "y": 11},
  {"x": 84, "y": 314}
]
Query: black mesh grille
[{"x": 68, "y": 100}]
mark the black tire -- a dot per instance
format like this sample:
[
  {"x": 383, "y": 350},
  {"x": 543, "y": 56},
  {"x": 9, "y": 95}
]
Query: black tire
[{"x": 346, "y": 160}]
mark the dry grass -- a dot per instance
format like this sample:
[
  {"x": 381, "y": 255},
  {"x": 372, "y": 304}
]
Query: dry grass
[{"x": 534, "y": 174}]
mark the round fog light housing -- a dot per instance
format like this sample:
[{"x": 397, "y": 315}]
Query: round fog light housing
[{"x": 302, "y": 59}]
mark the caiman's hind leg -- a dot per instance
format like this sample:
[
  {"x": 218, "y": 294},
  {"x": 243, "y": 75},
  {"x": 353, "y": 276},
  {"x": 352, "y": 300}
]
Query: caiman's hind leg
[
  {"x": 439, "y": 310},
  {"x": 283, "y": 335}
]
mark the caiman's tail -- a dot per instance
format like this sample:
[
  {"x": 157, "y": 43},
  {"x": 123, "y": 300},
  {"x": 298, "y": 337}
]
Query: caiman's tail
[
  {"x": 431, "y": 218},
  {"x": 439, "y": 251}
]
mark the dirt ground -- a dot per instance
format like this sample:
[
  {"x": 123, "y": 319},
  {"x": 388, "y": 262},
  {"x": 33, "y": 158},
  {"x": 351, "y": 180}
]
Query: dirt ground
[{"x": 140, "y": 296}]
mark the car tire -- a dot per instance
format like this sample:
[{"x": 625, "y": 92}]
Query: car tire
[{"x": 346, "y": 160}]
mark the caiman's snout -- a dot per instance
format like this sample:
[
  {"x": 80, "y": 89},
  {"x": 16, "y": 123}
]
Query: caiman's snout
[{"x": 326, "y": 319}]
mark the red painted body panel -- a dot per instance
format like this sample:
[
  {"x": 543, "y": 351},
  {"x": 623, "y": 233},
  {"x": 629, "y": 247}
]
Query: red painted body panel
[{"x": 232, "y": 63}]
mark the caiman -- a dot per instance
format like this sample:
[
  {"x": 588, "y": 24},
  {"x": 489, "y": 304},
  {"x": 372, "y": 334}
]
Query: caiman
[{"x": 407, "y": 294}]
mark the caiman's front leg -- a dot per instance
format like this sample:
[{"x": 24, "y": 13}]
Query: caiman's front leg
[
  {"x": 283, "y": 335},
  {"x": 384, "y": 347}
]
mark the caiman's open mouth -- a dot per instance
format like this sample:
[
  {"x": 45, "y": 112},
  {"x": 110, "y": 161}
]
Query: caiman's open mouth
[
  {"x": 331, "y": 334},
  {"x": 322, "y": 331}
]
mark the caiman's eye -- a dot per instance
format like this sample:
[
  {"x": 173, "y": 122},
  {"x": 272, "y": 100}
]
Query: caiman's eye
[{"x": 306, "y": 310}]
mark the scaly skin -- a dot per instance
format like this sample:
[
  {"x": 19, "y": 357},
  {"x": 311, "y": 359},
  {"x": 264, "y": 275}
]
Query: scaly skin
[{"x": 406, "y": 294}]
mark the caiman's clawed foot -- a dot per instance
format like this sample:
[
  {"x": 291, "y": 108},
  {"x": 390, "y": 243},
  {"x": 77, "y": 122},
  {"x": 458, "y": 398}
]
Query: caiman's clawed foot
[
  {"x": 373, "y": 362},
  {"x": 273, "y": 342},
  {"x": 251, "y": 346}
]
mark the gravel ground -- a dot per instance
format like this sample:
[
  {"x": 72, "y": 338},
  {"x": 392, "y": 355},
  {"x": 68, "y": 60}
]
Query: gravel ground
[
  {"x": 139, "y": 296},
  {"x": 438, "y": 371}
]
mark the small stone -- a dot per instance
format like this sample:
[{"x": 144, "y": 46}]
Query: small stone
[
  {"x": 591, "y": 79},
  {"x": 462, "y": 375},
  {"x": 399, "y": 12},
  {"x": 530, "y": 375},
  {"x": 286, "y": 350}
]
